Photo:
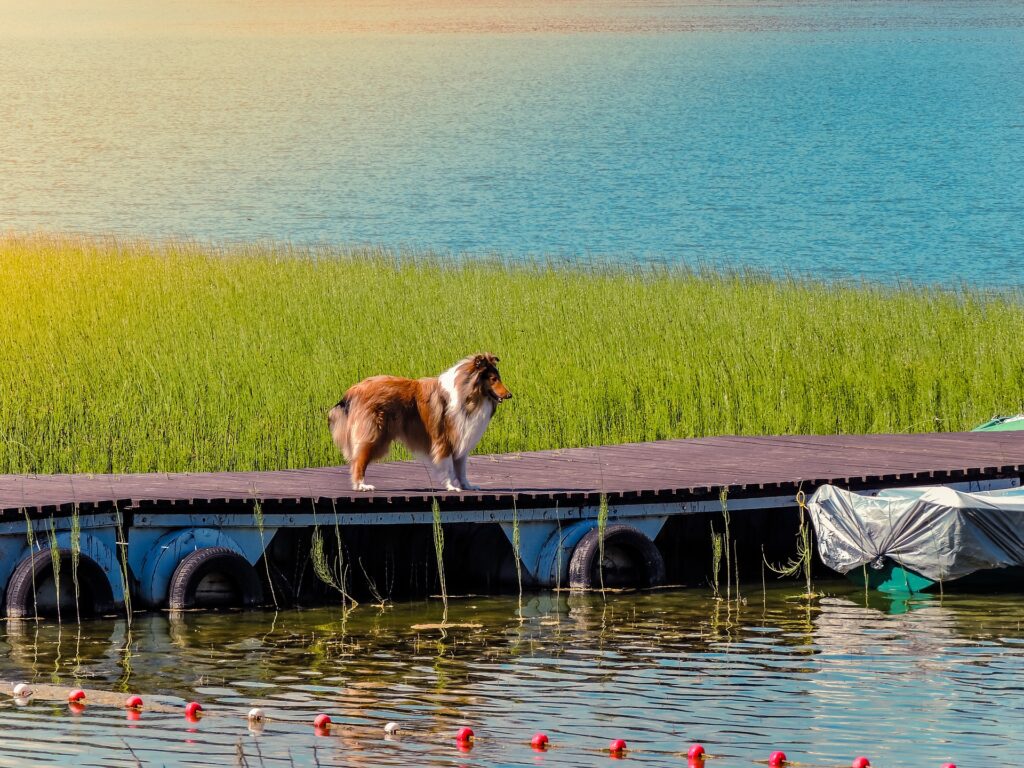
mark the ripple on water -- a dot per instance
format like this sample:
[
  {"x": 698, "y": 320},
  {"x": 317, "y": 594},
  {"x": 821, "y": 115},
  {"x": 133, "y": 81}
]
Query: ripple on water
[{"x": 929, "y": 681}]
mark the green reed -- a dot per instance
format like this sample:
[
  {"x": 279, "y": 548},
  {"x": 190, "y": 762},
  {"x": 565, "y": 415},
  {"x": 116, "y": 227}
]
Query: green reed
[
  {"x": 122, "y": 561},
  {"x": 517, "y": 552},
  {"x": 602, "y": 526},
  {"x": 723, "y": 500},
  {"x": 716, "y": 558},
  {"x": 51, "y": 535},
  {"x": 438, "y": 530},
  {"x": 136, "y": 356},
  {"x": 804, "y": 559},
  {"x": 31, "y": 540},
  {"x": 321, "y": 565},
  {"x": 257, "y": 515},
  {"x": 76, "y": 555}
]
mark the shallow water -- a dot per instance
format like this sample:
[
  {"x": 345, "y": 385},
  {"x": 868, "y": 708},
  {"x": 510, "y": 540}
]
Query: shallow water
[
  {"x": 908, "y": 685},
  {"x": 841, "y": 139}
]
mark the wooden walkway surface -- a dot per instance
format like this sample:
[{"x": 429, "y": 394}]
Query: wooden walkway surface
[{"x": 656, "y": 470}]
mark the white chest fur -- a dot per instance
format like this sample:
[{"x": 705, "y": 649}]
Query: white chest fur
[{"x": 468, "y": 427}]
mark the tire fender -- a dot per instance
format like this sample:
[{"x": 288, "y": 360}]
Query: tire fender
[
  {"x": 19, "y": 601},
  {"x": 181, "y": 591},
  {"x": 644, "y": 552}
]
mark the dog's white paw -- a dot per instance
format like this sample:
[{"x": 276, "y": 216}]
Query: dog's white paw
[
  {"x": 450, "y": 486},
  {"x": 363, "y": 487}
]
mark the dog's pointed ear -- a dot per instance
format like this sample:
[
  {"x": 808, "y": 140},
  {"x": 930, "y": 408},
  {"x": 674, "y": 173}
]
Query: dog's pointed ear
[{"x": 480, "y": 361}]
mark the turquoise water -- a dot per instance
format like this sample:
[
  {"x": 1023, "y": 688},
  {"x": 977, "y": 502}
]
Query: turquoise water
[
  {"x": 907, "y": 685},
  {"x": 870, "y": 139}
]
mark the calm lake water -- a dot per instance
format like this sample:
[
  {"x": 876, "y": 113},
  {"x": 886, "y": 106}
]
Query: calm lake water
[
  {"x": 877, "y": 139},
  {"x": 908, "y": 685}
]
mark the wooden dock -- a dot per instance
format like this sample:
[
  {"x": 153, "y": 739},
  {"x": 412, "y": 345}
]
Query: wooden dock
[
  {"x": 634, "y": 472},
  {"x": 164, "y": 539}
]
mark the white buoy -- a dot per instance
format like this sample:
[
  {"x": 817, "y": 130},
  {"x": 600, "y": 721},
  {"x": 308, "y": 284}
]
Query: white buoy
[
  {"x": 391, "y": 729},
  {"x": 256, "y": 715},
  {"x": 22, "y": 691}
]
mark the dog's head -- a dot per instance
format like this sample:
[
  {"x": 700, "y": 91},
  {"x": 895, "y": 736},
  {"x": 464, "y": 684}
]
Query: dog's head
[{"x": 486, "y": 377}]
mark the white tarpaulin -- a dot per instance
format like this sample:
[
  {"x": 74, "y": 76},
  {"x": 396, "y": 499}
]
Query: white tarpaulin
[{"x": 939, "y": 533}]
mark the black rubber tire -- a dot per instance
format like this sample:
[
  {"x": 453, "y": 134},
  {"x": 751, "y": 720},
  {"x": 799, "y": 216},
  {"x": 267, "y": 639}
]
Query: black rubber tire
[
  {"x": 181, "y": 592},
  {"x": 96, "y": 595},
  {"x": 649, "y": 563}
]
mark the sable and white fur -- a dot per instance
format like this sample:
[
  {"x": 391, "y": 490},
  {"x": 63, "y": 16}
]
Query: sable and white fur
[{"x": 439, "y": 419}]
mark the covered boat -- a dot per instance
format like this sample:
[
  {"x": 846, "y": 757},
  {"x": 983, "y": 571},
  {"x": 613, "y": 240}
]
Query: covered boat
[
  {"x": 908, "y": 540},
  {"x": 1002, "y": 424}
]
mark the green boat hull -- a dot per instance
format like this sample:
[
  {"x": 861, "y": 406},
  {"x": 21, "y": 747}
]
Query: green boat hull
[
  {"x": 891, "y": 579},
  {"x": 1002, "y": 424}
]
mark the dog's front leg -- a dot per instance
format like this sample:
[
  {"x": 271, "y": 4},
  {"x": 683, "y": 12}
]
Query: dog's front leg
[
  {"x": 446, "y": 469},
  {"x": 460, "y": 473}
]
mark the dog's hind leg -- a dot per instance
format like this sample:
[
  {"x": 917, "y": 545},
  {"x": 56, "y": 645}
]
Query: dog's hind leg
[
  {"x": 360, "y": 458},
  {"x": 363, "y": 454}
]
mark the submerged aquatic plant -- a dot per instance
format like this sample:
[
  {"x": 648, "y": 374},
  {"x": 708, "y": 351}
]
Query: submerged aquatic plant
[
  {"x": 31, "y": 539},
  {"x": 334, "y": 575},
  {"x": 558, "y": 552},
  {"x": 257, "y": 515},
  {"x": 723, "y": 500},
  {"x": 517, "y": 553},
  {"x": 716, "y": 559},
  {"x": 76, "y": 554},
  {"x": 602, "y": 526},
  {"x": 122, "y": 556},
  {"x": 804, "y": 559},
  {"x": 51, "y": 534},
  {"x": 340, "y": 567},
  {"x": 379, "y": 599},
  {"x": 435, "y": 509}
]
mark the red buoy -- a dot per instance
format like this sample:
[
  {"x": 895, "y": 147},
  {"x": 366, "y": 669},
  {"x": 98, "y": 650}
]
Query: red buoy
[
  {"x": 617, "y": 747},
  {"x": 539, "y": 741},
  {"x": 192, "y": 709},
  {"x": 76, "y": 695},
  {"x": 949, "y": 765},
  {"x": 133, "y": 702},
  {"x": 861, "y": 762},
  {"x": 321, "y": 721},
  {"x": 696, "y": 752},
  {"x": 465, "y": 735},
  {"x": 778, "y": 758}
]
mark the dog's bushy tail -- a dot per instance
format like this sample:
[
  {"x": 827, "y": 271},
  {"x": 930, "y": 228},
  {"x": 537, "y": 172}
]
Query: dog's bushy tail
[{"x": 337, "y": 420}]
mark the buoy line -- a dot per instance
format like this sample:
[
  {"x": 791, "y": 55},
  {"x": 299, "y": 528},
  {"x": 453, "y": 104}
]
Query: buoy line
[{"x": 78, "y": 700}]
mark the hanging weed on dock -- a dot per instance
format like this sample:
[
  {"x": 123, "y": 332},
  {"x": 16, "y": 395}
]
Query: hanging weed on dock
[{"x": 803, "y": 561}]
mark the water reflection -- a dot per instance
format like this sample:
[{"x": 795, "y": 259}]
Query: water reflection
[{"x": 825, "y": 679}]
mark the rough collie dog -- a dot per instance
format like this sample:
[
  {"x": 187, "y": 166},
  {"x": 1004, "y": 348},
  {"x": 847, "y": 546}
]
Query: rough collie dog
[{"x": 440, "y": 419}]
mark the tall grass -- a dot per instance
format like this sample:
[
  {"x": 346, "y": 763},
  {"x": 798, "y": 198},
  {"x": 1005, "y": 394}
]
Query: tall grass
[{"x": 131, "y": 356}]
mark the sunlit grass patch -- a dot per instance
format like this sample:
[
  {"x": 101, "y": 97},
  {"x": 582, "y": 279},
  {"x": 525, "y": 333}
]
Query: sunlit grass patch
[{"x": 134, "y": 356}]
